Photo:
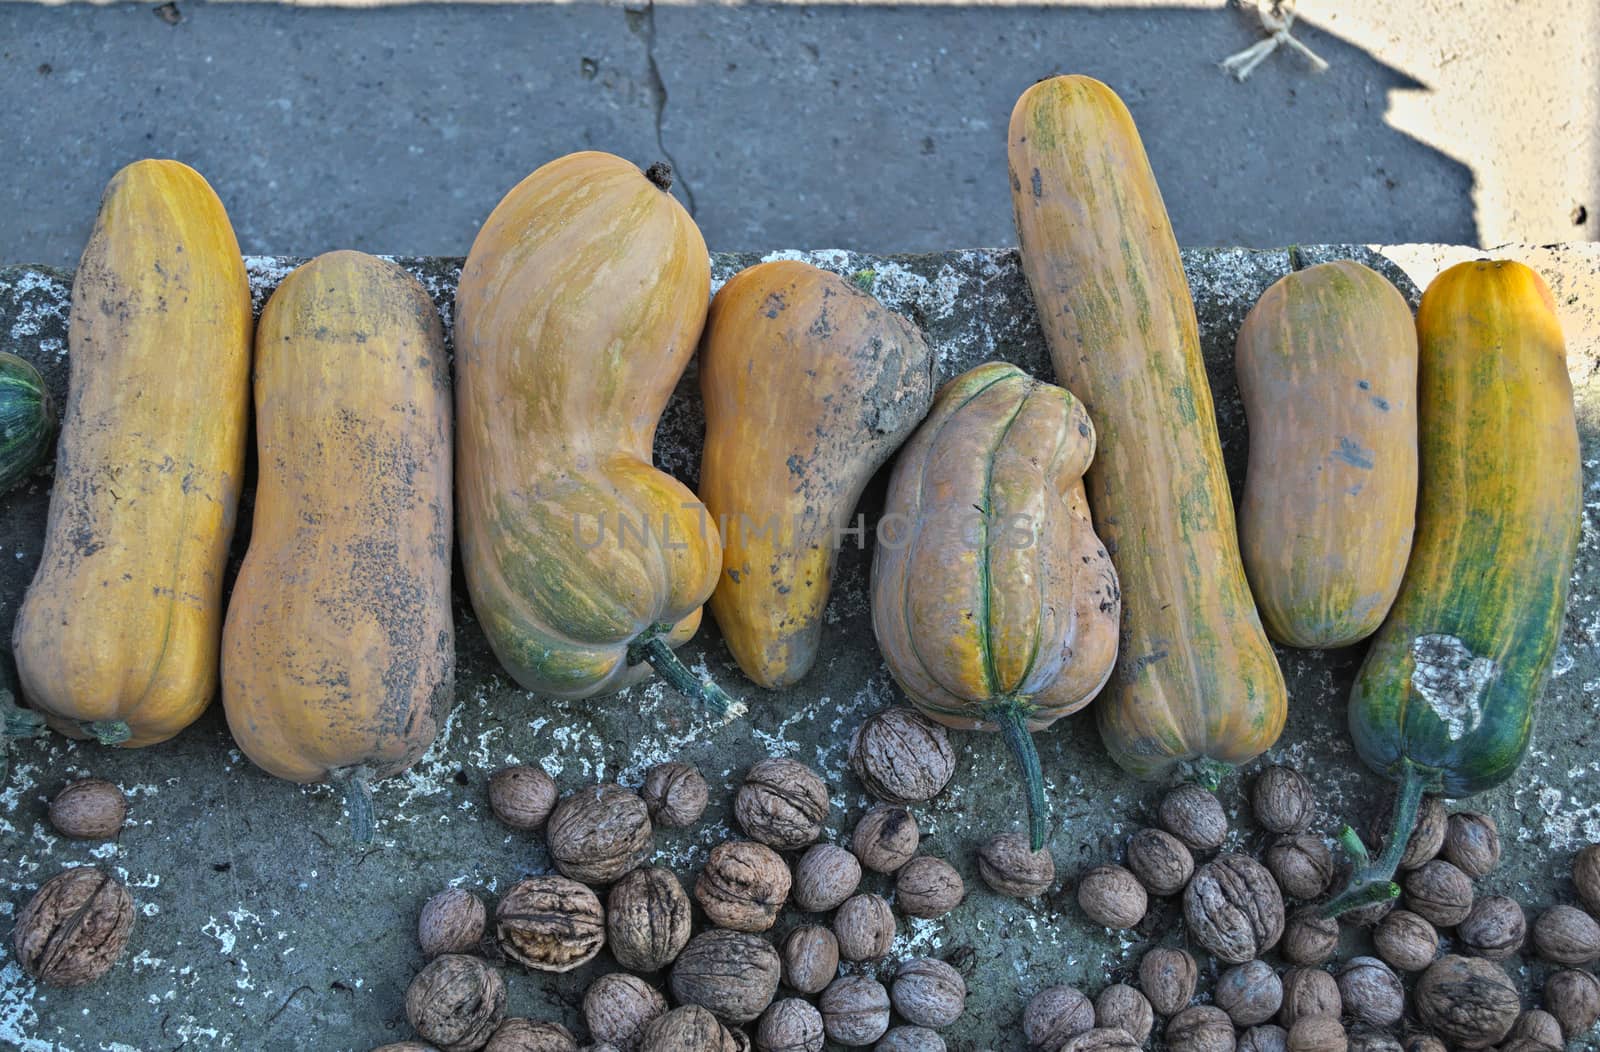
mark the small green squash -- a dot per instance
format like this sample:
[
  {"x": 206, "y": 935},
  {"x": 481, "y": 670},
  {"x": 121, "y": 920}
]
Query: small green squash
[{"x": 27, "y": 420}]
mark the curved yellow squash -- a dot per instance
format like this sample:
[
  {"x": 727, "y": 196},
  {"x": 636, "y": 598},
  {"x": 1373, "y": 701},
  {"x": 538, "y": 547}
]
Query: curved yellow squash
[
  {"x": 579, "y": 307},
  {"x": 117, "y": 637},
  {"x": 338, "y": 654},
  {"x": 810, "y": 385},
  {"x": 1327, "y": 365},
  {"x": 1196, "y": 677}
]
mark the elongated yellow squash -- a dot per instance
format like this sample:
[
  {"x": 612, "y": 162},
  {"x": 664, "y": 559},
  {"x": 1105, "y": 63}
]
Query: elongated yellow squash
[
  {"x": 117, "y": 637},
  {"x": 1196, "y": 678},
  {"x": 338, "y": 655}
]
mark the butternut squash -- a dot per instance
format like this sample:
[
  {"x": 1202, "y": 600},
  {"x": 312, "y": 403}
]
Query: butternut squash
[
  {"x": 338, "y": 653},
  {"x": 579, "y": 307},
  {"x": 1327, "y": 366},
  {"x": 1196, "y": 678},
  {"x": 117, "y": 637},
  {"x": 810, "y": 385},
  {"x": 993, "y": 600}
]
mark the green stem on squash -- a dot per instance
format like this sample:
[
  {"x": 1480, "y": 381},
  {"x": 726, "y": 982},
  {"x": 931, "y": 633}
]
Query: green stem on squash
[
  {"x": 357, "y": 785},
  {"x": 1373, "y": 882},
  {"x": 652, "y": 648},
  {"x": 1207, "y": 773},
  {"x": 1296, "y": 260},
  {"x": 109, "y": 732},
  {"x": 1011, "y": 716}
]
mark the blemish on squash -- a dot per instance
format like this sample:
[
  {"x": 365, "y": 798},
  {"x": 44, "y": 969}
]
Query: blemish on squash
[
  {"x": 1351, "y": 453},
  {"x": 1452, "y": 680}
]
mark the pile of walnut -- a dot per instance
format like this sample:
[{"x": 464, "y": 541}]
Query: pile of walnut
[
  {"x": 725, "y": 979},
  {"x": 1438, "y": 980}
]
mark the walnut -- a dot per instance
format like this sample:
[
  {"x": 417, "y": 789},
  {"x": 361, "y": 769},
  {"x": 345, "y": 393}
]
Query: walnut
[
  {"x": 1495, "y": 928},
  {"x": 1472, "y": 843},
  {"x": 782, "y": 803},
  {"x": 1112, "y": 897},
  {"x": 810, "y": 959},
  {"x": 1367, "y": 1039},
  {"x": 452, "y": 921},
  {"x": 1160, "y": 860},
  {"x": 1468, "y": 1001},
  {"x": 648, "y": 919},
  {"x": 89, "y": 809},
  {"x": 928, "y": 992},
  {"x": 928, "y": 887},
  {"x": 1318, "y": 1033},
  {"x": 1123, "y": 1007},
  {"x": 825, "y": 877},
  {"x": 1194, "y": 816},
  {"x": 525, "y": 1035},
  {"x": 1308, "y": 992},
  {"x": 74, "y": 927},
  {"x": 864, "y": 926},
  {"x": 522, "y": 797},
  {"x": 902, "y": 757},
  {"x": 886, "y": 838},
  {"x": 743, "y": 886},
  {"x": 1301, "y": 864},
  {"x": 1573, "y": 997},
  {"x": 1009, "y": 865},
  {"x": 855, "y": 1010},
  {"x": 909, "y": 1039},
  {"x": 687, "y": 1029},
  {"x": 618, "y": 1006},
  {"x": 791, "y": 1025},
  {"x": 1586, "y": 877},
  {"x": 1566, "y": 935},
  {"x": 1439, "y": 893},
  {"x": 1371, "y": 992},
  {"x": 1102, "y": 1039},
  {"x": 1168, "y": 976},
  {"x": 1250, "y": 993},
  {"x": 550, "y": 923},
  {"x": 1424, "y": 1043},
  {"x": 675, "y": 794},
  {"x": 1282, "y": 800},
  {"x": 1200, "y": 1028},
  {"x": 1054, "y": 1015},
  {"x": 1540, "y": 1027},
  {"x": 1264, "y": 1038},
  {"x": 740, "y": 1040},
  {"x": 1233, "y": 908},
  {"x": 732, "y": 973},
  {"x": 599, "y": 833},
  {"x": 1406, "y": 941},
  {"x": 1309, "y": 937},
  {"x": 1427, "y": 836},
  {"x": 456, "y": 1002}
]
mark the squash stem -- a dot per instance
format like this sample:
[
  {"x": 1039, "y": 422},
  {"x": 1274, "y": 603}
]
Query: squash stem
[
  {"x": 1373, "y": 882},
  {"x": 357, "y": 785},
  {"x": 702, "y": 692},
  {"x": 1011, "y": 716},
  {"x": 109, "y": 732},
  {"x": 1208, "y": 773}
]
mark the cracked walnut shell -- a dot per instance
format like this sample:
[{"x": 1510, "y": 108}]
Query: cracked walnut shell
[
  {"x": 74, "y": 927},
  {"x": 550, "y": 923}
]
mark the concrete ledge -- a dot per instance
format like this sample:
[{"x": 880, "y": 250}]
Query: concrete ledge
[{"x": 263, "y": 928}]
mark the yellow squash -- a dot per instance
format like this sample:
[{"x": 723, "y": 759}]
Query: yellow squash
[
  {"x": 1196, "y": 678},
  {"x": 117, "y": 637},
  {"x": 810, "y": 385},
  {"x": 338, "y": 655}
]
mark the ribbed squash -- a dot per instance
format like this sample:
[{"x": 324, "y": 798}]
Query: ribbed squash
[
  {"x": 27, "y": 420},
  {"x": 578, "y": 309},
  {"x": 1196, "y": 678},
  {"x": 1327, "y": 366},
  {"x": 810, "y": 385},
  {"x": 1444, "y": 702},
  {"x": 993, "y": 600},
  {"x": 117, "y": 637},
  {"x": 338, "y": 655}
]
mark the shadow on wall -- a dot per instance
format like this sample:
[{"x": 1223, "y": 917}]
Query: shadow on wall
[{"x": 875, "y": 128}]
